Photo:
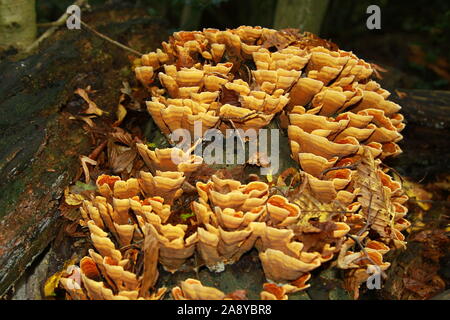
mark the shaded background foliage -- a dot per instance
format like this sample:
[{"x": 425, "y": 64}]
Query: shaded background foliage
[{"x": 414, "y": 41}]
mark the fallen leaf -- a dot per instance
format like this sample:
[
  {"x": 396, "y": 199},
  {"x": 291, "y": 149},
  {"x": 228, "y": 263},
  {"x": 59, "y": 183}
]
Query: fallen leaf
[
  {"x": 238, "y": 295},
  {"x": 377, "y": 70},
  {"x": 121, "y": 151},
  {"x": 92, "y": 107},
  {"x": 51, "y": 284},
  {"x": 415, "y": 190},
  {"x": 126, "y": 89},
  {"x": 121, "y": 111},
  {"x": 401, "y": 94},
  {"x": 87, "y": 119},
  {"x": 73, "y": 199},
  {"x": 84, "y": 162}
]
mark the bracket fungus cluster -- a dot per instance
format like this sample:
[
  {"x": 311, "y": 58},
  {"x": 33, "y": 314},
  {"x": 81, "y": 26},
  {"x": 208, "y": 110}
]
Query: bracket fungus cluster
[{"x": 346, "y": 211}]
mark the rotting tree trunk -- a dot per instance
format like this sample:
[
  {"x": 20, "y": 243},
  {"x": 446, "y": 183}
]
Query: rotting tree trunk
[
  {"x": 35, "y": 163},
  {"x": 17, "y": 23},
  {"x": 306, "y": 15},
  {"x": 40, "y": 146},
  {"x": 426, "y": 146}
]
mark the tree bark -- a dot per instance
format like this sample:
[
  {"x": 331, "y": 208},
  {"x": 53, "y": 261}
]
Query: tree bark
[
  {"x": 40, "y": 145},
  {"x": 306, "y": 15},
  {"x": 425, "y": 144},
  {"x": 17, "y": 23}
]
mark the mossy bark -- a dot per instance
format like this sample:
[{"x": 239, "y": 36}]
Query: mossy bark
[
  {"x": 17, "y": 23},
  {"x": 40, "y": 145},
  {"x": 306, "y": 15}
]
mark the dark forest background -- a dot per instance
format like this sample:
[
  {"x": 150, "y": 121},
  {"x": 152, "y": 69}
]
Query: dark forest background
[{"x": 414, "y": 40}]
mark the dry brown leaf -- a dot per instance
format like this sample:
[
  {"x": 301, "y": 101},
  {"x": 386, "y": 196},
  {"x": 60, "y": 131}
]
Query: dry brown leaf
[
  {"x": 401, "y": 94},
  {"x": 237, "y": 295},
  {"x": 121, "y": 112},
  {"x": 84, "y": 162},
  {"x": 92, "y": 106},
  {"x": 377, "y": 70},
  {"x": 121, "y": 151},
  {"x": 73, "y": 199},
  {"x": 87, "y": 119},
  {"x": 375, "y": 203},
  {"x": 415, "y": 190}
]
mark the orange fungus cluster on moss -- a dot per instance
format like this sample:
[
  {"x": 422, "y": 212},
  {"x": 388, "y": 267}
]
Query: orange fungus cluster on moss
[{"x": 340, "y": 125}]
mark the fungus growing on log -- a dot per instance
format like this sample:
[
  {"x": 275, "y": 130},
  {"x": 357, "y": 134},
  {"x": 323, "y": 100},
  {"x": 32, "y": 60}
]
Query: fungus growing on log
[{"x": 340, "y": 126}]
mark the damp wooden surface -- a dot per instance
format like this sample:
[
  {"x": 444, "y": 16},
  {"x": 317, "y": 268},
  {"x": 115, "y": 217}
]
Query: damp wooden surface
[
  {"x": 40, "y": 146},
  {"x": 425, "y": 145}
]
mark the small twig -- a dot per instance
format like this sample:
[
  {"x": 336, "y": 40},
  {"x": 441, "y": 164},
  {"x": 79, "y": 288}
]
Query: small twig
[
  {"x": 131, "y": 245},
  {"x": 239, "y": 119},
  {"x": 363, "y": 249},
  {"x": 291, "y": 182},
  {"x": 194, "y": 146},
  {"x": 329, "y": 211},
  {"x": 279, "y": 190},
  {"x": 47, "y": 24},
  {"x": 395, "y": 171},
  {"x": 55, "y": 26},
  {"x": 96, "y": 152},
  {"x": 84, "y": 162},
  {"x": 109, "y": 39},
  {"x": 423, "y": 178},
  {"x": 248, "y": 74},
  {"x": 352, "y": 166},
  {"x": 429, "y": 201}
]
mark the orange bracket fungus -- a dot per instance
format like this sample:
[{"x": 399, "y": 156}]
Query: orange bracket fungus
[{"x": 338, "y": 208}]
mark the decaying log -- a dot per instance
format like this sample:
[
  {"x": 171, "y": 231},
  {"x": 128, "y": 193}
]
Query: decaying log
[
  {"x": 40, "y": 146},
  {"x": 17, "y": 23},
  {"x": 426, "y": 146}
]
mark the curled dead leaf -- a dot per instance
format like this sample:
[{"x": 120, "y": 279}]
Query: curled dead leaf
[
  {"x": 121, "y": 112},
  {"x": 73, "y": 199},
  {"x": 87, "y": 119},
  {"x": 401, "y": 94},
  {"x": 92, "y": 106},
  {"x": 415, "y": 190},
  {"x": 52, "y": 282},
  {"x": 84, "y": 162}
]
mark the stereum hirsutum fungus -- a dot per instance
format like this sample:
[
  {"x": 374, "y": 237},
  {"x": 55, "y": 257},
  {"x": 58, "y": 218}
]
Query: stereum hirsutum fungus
[{"x": 346, "y": 212}]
